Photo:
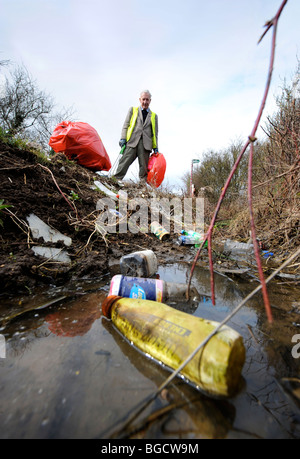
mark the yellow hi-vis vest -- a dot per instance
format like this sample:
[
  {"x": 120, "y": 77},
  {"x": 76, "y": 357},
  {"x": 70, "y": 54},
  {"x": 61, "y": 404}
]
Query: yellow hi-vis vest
[{"x": 133, "y": 119}]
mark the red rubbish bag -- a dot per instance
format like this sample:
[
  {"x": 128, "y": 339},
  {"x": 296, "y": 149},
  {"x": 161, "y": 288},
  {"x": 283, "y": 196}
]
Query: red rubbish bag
[
  {"x": 156, "y": 169},
  {"x": 80, "y": 142}
]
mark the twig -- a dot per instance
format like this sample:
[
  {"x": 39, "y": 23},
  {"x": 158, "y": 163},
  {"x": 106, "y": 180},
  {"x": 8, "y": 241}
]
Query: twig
[
  {"x": 254, "y": 239},
  {"x": 269, "y": 24},
  {"x": 158, "y": 414},
  {"x": 252, "y": 334},
  {"x": 66, "y": 199},
  {"x": 51, "y": 258},
  {"x": 292, "y": 169},
  {"x": 251, "y": 139},
  {"x": 21, "y": 221}
]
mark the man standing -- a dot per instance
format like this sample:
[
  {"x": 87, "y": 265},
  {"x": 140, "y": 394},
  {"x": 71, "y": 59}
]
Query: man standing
[{"x": 139, "y": 134}]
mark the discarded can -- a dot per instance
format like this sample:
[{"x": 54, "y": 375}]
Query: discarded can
[
  {"x": 169, "y": 336},
  {"x": 159, "y": 231},
  {"x": 140, "y": 264},
  {"x": 149, "y": 289}
]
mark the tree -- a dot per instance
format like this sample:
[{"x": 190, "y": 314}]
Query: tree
[
  {"x": 283, "y": 128},
  {"x": 213, "y": 170},
  {"x": 26, "y": 111},
  {"x": 3, "y": 63},
  {"x": 277, "y": 182},
  {"x": 23, "y": 103}
]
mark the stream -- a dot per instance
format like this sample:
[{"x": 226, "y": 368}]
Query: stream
[{"x": 66, "y": 372}]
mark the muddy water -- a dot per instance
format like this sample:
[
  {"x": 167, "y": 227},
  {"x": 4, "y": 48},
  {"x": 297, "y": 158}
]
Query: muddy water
[{"x": 67, "y": 373}]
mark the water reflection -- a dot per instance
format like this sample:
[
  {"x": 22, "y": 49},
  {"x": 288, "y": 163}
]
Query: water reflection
[
  {"x": 77, "y": 318},
  {"x": 180, "y": 410},
  {"x": 228, "y": 295}
]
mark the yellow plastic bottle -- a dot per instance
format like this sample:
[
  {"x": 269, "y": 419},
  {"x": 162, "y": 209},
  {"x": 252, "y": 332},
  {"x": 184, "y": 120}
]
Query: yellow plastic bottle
[{"x": 170, "y": 336}]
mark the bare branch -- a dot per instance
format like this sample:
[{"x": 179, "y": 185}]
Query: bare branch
[{"x": 251, "y": 139}]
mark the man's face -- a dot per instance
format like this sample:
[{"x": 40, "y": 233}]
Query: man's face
[{"x": 145, "y": 100}]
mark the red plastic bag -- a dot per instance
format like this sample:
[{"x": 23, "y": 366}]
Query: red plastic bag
[
  {"x": 156, "y": 169},
  {"x": 80, "y": 142}
]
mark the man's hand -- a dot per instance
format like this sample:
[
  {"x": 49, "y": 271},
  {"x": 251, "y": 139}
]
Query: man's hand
[
  {"x": 155, "y": 150},
  {"x": 122, "y": 143}
]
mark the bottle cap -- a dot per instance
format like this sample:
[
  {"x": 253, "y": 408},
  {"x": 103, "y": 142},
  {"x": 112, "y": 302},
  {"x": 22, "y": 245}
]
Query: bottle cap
[{"x": 107, "y": 304}]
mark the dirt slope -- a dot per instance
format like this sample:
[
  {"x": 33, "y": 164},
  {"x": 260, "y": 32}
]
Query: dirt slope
[{"x": 60, "y": 193}]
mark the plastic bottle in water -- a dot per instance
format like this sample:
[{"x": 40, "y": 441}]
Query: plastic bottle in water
[
  {"x": 191, "y": 238},
  {"x": 169, "y": 336},
  {"x": 150, "y": 289}
]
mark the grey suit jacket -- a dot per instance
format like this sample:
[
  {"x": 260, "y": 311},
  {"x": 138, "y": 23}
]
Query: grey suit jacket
[{"x": 140, "y": 129}]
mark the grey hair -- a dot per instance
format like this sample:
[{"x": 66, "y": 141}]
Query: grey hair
[{"x": 146, "y": 91}]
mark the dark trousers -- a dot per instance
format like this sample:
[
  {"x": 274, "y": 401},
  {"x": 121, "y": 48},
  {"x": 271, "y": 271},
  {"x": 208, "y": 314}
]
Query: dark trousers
[{"x": 130, "y": 154}]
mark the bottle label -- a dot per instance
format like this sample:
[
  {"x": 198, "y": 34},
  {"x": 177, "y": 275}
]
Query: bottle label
[
  {"x": 159, "y": 231},
  {"x": 137, "y": 292},
  {"x": 115, "y": 285},
  {"x": 137, "y": 287}
]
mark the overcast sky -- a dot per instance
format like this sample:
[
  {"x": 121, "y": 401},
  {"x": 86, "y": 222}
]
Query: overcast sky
[{"x": 199, "y": 59}]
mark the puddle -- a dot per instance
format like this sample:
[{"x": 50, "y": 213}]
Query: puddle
[{"x": 67, "y": 373}]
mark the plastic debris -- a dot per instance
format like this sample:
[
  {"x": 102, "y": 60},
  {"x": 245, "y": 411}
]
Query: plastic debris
[
  {"x": 170, "y": 336},
  {"x": 40, "y": 229},
  {"x": 52, "y": 253},
  {"x": 191, "y": 238},
  {"x": 140, "y": 264}
]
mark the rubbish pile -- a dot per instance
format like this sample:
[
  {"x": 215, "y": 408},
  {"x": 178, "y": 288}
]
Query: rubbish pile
[
  {"x": 137, "y": 306},
  {"x": 185, "y": 237}
]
